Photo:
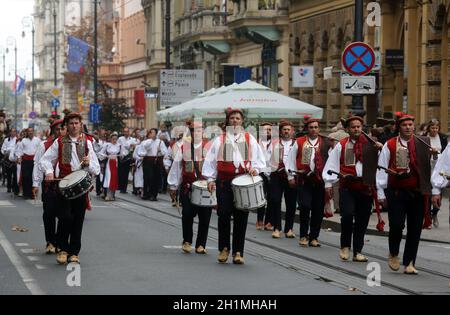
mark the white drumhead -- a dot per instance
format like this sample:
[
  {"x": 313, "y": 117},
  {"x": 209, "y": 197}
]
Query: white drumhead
[
  {"x": 200, "y": 184},
  {"x": 72, "y": 178},
  {"x": 245, "y": 180}
]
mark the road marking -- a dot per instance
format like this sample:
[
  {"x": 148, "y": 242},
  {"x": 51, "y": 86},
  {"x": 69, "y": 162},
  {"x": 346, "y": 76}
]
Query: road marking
[
  {"x": 27, "y": 250},
  {"x": 179, "y": 247},
  {"x": 440, "y": 246},
  {"x": 19, "y": 264},
  {"x": 33, "y": 258},
  {"x": 40, "y": 267},
  {"x": 22, "y": 244}
]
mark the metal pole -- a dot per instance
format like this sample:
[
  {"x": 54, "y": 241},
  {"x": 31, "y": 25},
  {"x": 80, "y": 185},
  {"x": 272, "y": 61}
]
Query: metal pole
[
  {"x": 95, "y": 53},
  {"x": 32, "y": 70},
  {"x": 55, "y": 79},
  {"x": 167, "y": 34},
  {"x": 4, "y": 81},
  {"x": 15, "y": 93},
  {"x": 357, "y": 100}
]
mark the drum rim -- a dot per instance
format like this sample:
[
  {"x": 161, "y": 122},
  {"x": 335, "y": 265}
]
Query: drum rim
[
  {"x": 250, "y": 184},
  {"x": 80, "y": 194},
  {"x": 79, "y": 181}
]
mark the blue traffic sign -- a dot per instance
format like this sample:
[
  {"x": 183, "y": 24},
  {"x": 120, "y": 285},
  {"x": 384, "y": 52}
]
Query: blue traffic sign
[
  {"x": 358, "y": 59},
  {"x": 55, "y": 103},
  {"x": 94, "y": 113}
]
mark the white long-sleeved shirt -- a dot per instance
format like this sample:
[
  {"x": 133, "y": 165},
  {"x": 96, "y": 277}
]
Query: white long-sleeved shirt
[
  {"x": 126, "y": 144},
  {"x": 98, "y": 145},
  {"x": 14, "y": 150},
  {"x": 267, "y": 148},
  {"x": 172, "y": 153},
  {"x": 291, "y": 159},
  {"x": 51, "y": 156},
  {"x": 174, "y": 178},
  {"x": 438, "y": 181},
  {"x": 38, "y": 172},
  {"x": 8, "y": 145},
  {"x": 111, "y": 151},
  {"x": 258, "y": 162},
  {"x": 152, "y": 148},
  {"x": 28, "y": 147},
  {"x": 334, "y": 164}
]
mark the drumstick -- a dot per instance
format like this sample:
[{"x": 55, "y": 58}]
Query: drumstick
[
  {"x": 421, "y": 140},
  {"x": 443, "y": 174}
]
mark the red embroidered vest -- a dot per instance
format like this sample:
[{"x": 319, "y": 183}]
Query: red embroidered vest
[
  {"x": 64, "y": 164},
  {"x": 225, "y": 168},
  {"x": 411, "y": 182},
  {"x": 189, "y": 158}
]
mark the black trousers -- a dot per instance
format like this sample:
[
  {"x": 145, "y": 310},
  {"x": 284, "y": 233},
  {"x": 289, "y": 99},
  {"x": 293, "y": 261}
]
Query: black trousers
[
  {"x": 279, "y": 185},
  {"x": 14, "y": 179},
  {"x": 152, "y": 175},
  {"x": 71, "y": 218},
  {"x": 264, "y": 213},
  {"x": 312, "y": 203},
  {"x": 27, "y": 178},
  {"x": 405, "y": 205},
  {"x": 123, "y": 170},
  {"x": 226, "y": 209},
  {"x": 98, "y": 182},
  {"x": 50, "y": 199},
  {"x": 188, "y": 215},
  {"x": 8, "y": 173},
  {"x": 355, "y": 209}
]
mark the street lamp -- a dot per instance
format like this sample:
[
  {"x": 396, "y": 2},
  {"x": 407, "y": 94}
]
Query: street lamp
[
  {"x": 11, "y": 41},
  {"x": 28, "y": 22}
]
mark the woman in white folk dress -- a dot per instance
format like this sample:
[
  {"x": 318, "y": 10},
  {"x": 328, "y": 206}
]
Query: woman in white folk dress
[{"x": 111, "y": 151}]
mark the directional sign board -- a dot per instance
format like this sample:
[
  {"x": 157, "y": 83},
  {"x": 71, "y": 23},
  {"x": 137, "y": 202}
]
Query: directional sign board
[
  {"x": 358, "y": 85},
  {"x": 94, "y": 113},
  {"x": 358, "y": 59},
  {"x": 179, "y": 86},
  {"x": 55, "y": 92},
  {"x": 55, "y": 103}
]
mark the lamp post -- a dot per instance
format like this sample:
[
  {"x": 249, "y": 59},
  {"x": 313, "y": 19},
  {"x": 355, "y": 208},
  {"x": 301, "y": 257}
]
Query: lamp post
[
  {"x": 55, "y": 79},
  {"x": 28, "y": 22},
  {"x": 95, "y": 53},
  {"x": 12, "y": 41}
]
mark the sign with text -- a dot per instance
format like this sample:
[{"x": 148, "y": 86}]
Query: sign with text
[
  {"x": 351, "y": 85},
  {"x": 303, "y": 76},
  {"x": 179, "y": 86}
]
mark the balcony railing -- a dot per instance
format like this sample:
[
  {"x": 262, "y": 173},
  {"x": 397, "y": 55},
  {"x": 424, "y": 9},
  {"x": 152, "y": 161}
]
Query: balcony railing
[
  {"x": 200, "y": 22},
  {"x": 259, "y": 8}
]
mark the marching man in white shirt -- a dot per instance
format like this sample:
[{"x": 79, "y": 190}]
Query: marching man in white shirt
[
  {"x": 153, "y": 151},
  {"x": 7, "y": 146},
  {"x": 72, "y": 152},
  {"x": 27, "y": 150},
  {"x": 128, "y": 145},
  {"x": 234, "y": 153},
  {"x": 50, "y": 194}
]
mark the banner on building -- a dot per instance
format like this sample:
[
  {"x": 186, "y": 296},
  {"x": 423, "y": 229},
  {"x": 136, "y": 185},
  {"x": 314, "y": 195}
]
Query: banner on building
[
  {"x": 303, "y": 76},
  {"x": 139, "y": 102},
  {"x": 78, "y": 50}
]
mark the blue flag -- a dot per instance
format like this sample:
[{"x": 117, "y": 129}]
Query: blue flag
[{"x": 77, "y": 54}]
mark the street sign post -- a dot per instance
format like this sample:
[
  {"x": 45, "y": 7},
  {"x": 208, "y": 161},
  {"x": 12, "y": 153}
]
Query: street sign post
[
  {"x": 55, "y": 92},
  {"x": 179, "y": 86},
  {"x": 358, "y": 85},
  {"x": 55, "y": 103},
  {"x": 303, "y": 76},
  {"x": 358, "y": 59},
  {"x": 94, "y": 113}
]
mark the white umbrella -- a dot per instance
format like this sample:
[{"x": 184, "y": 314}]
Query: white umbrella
[{"x": 258, "y": 101}]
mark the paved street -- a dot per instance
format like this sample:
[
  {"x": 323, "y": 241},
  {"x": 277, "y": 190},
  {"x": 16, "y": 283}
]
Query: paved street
[{"x": 134, "y": 247}]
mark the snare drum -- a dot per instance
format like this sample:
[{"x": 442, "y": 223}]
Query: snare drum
[
  {"x": 75, "y": 184},
  {"x": 200, "y": 196},
  {"x": 248, "y": 192}
]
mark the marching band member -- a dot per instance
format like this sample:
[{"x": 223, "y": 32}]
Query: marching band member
[
  {"x": 74, "y": 151},
  {"x": 111, "y": 152},
  {"x": 26, "y": 151},
  {"x": 98, "y": 144},
  {"x": 185, "y": 170},
  {"x": 279, "y": 184},
  {"x": 264, "y": 220},
  {"x": 153, "y": 151},
  {"x": 138, "y": 176},
  {"x": 49, "y": 189},
  {"x": 404, "y": 187},
  {"x": 353, "y": 163},
  {"x": 128, "y": 145},
  {"x": 7, "y": 146},
  {"x": 232, "y": 154},
  {"x": 307, "y": 159},
  {"x": 14, "y": 157},
  {"x": 172, "y": 151}
]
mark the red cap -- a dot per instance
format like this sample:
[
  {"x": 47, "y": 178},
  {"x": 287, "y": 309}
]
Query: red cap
[
  {"x": 266, "y": 123},
  {"x": 57, "y": 122},
  {"x": 284, "y": 123},
  {"x": 230, "y": 111},
  {"x": 353, "y": 117},
  {"x": 404, "y": 117},
  {"x": 308, "y": 120}
]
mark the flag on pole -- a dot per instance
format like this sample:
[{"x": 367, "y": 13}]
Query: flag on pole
[
  {"x": 78, "y": 50},
  {"x": 18, "y": 85}
]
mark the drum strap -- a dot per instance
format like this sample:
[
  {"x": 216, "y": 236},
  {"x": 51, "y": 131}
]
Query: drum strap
[{"x": 197, "y": 171}]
